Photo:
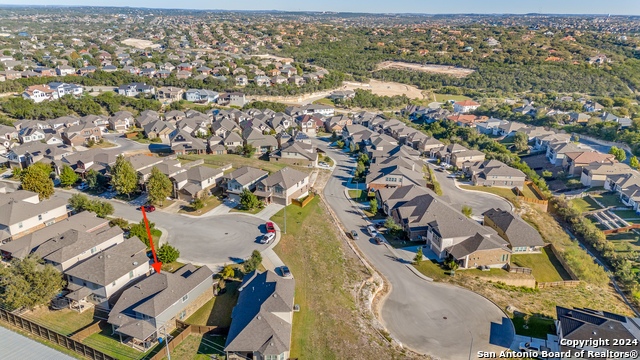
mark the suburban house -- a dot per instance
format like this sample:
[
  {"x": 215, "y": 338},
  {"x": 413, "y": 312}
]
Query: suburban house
[
  {"x": 450, "y": 234},
  {"x": 98, "y": 278},
  {"x": 201, "y": 96},
  {"x": 30, "y": 134},
  {"x": 556, "y": 151},
  {"x": 243, "y": 178},
  {"x": 459, "y": 158},
  {"x": 615, "y": 333},
  {"x": 390, "y": 198},
  {"x": 22, "y": 212},
  {"x": 393, "y": 175},
  {"x": 542, "y": 142},
  {"x": 63, "y": 89},
  {"x": 261, "y": 320},
  {"x": 494, "y": 173},
  {"x": 232, "y": 141},
  {"x": 465, "y": 106},
  {"x": 73, "y": 246},
  {"x": 158, "y": 129},
  {"x": 196, "y": 182},
  {"x": 522, "y": 237},
  {"x": 262, "y": 143},
  {"x": 596, "y": 174},
  {"x": 310, "y": 109},
  {"x": 121, "y": 121},
  {"x": 134, "y": 89},
  {"x": 510, "y": 128},
  {"x": 183, "y": 143},
  {"x": 150, "y": 307},
  {"x": 169, "y": 94},
  {"x": 82, "y": 134},
  {"x": 232, "y": 99},
  {"x": 39, "y": 93},
  {"x": 445, "y": 152},
  {"x": 296, "y": 153},
  {"x": 283, "y": 186},
  {"x": 574, "y": 162},
  {"x": 337, "y": 123}
]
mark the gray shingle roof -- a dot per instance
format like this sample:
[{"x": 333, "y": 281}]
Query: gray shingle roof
[
  {"x": 286, "y": 178},
  {"x": 517, "y": 232},
  {"x": 254, "y": 326},
  {"x": 474, "y": 243},
  {"x": 246, "y": 175},
  {"x": 14, "y": 208},
  {"x": 72, "y": 243}
]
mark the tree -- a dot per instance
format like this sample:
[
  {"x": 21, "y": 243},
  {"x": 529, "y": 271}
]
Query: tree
[
  {"x": 92, "y": 179},
  {"x": 28, "y": 283},
  {"x": 452, "y": 264},
  {"x": 168, "y": 254},
  {"x": 80, "y": 202},
  {"x": 16, "y": 173},
  {"x": 36, "y": 178},
  {"x": 633, "y": 162},
  {"x": 360, "y": 169},
  {"x": 253, "y": 262},
  {"x": 249, "y": 200},
  {"x": 520, "y": 142},
  {"x": 373, "y": 205},
  {"x": 227, "y": 272},
  {"x": 158, "y": 187},
  {"x": 248, "y": 150},
  {"x": 618, "y": 153},
  {"x": 197, "y": 203},
  {"x": 419, "y": 256},
  {"x": 140, "y": 231},
  {"x": 547, "y": 174},
  {"x": 467, "y": 210},
  {"x": 68, "y": 177},
  {"x": 391, "y": 225},
  {"x": 123, "y": 176},
  {"x": 120, "y": 222}
]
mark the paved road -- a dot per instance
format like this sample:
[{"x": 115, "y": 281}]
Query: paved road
[
  {"x": 17, "y": 347},
  {"x": 437, "y": 319},
  {"x": 479, "y": 201}
]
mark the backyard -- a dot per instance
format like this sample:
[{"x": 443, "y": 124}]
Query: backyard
[
  {"x": 65, "y": 321},
  {"x": 536, "y": 326},
  {"x": 199, "y": 347},
  {"x": 545, "y": 266},
  {"x": 239, "y": 161},
  {"x": 110, "y": 345},
  {"x": 585, "y": 204},
  {"x": 217, "y": 311}
]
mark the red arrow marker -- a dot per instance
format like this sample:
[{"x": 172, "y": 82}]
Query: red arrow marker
[{"x": 156, "y": 264}]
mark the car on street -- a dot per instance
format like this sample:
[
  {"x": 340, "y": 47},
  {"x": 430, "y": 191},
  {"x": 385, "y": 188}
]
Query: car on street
[
  {"x": 452, "y": 176},
  {"x": 371, "y": 230},
  {"x": 285, "y": 271},
  {"x": 148, "y": 208},
  {"x": 267, "y": 238},
  {"x": 83, "y": 186},
  {"x": 377, "y": 240},
  {"x": 354, "y": 235},
  {"x": 527, "y": 346},
  {"x": 270, "y": 227},
  {"x": 323, "y": 165},
  {"x": 439, "y": 169}
]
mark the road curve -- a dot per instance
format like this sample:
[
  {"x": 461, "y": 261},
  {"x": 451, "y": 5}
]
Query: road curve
[{"x": 437, "y": 319}]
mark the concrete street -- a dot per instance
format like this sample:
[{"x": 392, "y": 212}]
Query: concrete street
[
  {"x": 479, "y": 201},
  {"x": 441, "y": 320}
]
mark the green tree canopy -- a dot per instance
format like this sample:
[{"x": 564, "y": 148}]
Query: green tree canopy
[
  {"x": 68, "y": 177},
  {"x": 158, "y": 187},
  {"x": 633, "y": 162},
  {"x": 123, "y": 176},
  {"x": 249, "y": 200},
  {"x": 27, "y": 283},
  {"x": 168, "y": 253},
  {"x": 618, "y": 153},
  {"x": 36, "y": 178}
]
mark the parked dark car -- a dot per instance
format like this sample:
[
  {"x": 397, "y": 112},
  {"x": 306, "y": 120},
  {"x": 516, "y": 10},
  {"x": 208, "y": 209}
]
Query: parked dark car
[
  {"x": 285, "y": 271},
  {"x": 354, "y": 235},
  {"x": 148, "y": 208}
]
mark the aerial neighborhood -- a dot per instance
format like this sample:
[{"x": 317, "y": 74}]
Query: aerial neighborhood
[{"x": 258, "y": 185}]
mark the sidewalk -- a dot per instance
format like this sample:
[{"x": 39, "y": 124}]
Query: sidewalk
[{"x": 269, "y": 211}]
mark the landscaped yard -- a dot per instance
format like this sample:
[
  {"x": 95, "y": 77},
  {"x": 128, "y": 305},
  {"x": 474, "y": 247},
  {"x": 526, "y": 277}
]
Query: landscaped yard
[
  {"x": 65, "y": 321},
  {"x": 432, "y": 269},
  {"x": 585, "y": 204},
  {"x": 252, "y": 211},
  {"x": 210, "y": 203},
  {"x": 328, "y": 325},
  {"x": 628, "y": 215},
  {"x": 608, "y": 199},
  {"x": 172, "y": 267},
  {"x": 239, "y": 161},
  {"x": 217, "y": 311},
  {"x": 111, "y": 346},
  {"x": 358, "y": 195},
  {"x": 545, "y": 266},
  {"x": 197, "y": 347},
  {"x": 537, "y": 327},
  {"x": 504, "y": 192}
]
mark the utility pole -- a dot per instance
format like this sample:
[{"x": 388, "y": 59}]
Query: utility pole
[
  {"x": 285, "y": 218},
  {"x": 166, "y": 339}
]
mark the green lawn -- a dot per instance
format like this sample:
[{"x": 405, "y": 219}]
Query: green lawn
[
  {"x": 528, "y": 192},
  {"x": 608, "y": 199},
  {"x": 503, "y": 192},
  {"x": 239, "y": 161},
  {"x": 111, "y": 346},
  {"x": 65, "y": 321},
  {"x": 209, "y": 204},
  {"x": 217, "y": 311},
  {"x": 358, "y": 195},
  {"x": 432, "y": 269},
  {"x": 627, "y": 214},
  {"x": 537, "y": 327},
  {"x": 172, "y": 267},
  {"x": 545, "y": 266},
  {"x": 252, "y": 211},
  {"x": 324, "y": 101},
  {"x": 585, "y": 204},
  {"x": 197, "y": 347}
]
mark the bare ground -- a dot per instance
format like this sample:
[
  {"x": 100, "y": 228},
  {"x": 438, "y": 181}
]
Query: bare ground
[
  {"x": 434, "y": 69},
  {"x": 387, "y": 88},
  {"x": 139, "y": 43}
]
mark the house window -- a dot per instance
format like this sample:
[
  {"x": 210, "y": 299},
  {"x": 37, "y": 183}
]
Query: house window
[
  {"x": 130, "y": 274},
  {"x": 40, "y": 217},
  {"x": 93, "y": 250},
  {"x": 185, "y": 298},
  {"x": 113, "y": 284},
  {"x": 182, "y": 315},
  {"x": 20, "y": 225}
]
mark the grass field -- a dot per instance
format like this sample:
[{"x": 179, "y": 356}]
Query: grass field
[
  {"x": 325, "y": 271},
  {"x": 238, "y": 161},
  {"x": 197, "y": 347},
  {"x": 503, "y": 192},
  {"x": 217, "y": 311},
  {"x": 585, "y": 204},
  {"x": 324, "y": 101},
  {"x": 109, "y": 345},
  {"x": 608, "y": 199},
  {"x": 545, "y": 266},
  {"x": 445, "y": 97},
  {"x": 627, "y": 214},
  {"x": 537, "y": 327},
  {"x": 65, "y": 321}
]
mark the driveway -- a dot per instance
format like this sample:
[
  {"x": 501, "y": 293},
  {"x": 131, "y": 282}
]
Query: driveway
[
  {"x": 441, "y": 320},
  {"x": 479, "y": 201}
]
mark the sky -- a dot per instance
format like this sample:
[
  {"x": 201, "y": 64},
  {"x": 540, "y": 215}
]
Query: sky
[{"x": 619, "y": 7}]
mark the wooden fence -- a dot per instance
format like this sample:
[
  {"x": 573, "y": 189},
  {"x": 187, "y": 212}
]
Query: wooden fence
[
  {"x": 621, "y": 230},
  {"x": 541, "y": 204},
  {"x": 519, "y": 270},
  {"x": 173, "y": 343},
  {"x": 574, "y": 280},
  {"x": 52, "y": 336},
  {"x": 89, "y": 330},
  {"x": 304, "y": 202},
  {"x": 566, "y": 283},
  {"x": 185, "y": 331}
]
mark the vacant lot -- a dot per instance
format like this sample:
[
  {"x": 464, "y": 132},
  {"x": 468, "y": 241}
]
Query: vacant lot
[
  {"x": 434, "y": 69},
  {"x": 508, "y": 194},
  {"x": 386, "y": 88},
  {"x": 546, "y": 267},
  {"x": 140, "y": 44},
  {"x": 328, "y": 325}
]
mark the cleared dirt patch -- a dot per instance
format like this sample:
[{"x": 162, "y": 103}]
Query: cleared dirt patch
[
  {"x": 386, "y": 88},
  {"x": 140, "y": 44},
  {"x": 434, "y": 69}
]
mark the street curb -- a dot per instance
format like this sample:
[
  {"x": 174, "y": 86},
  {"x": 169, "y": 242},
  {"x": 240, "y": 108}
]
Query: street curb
[
  {"x": 455, "y": 183},
  {"x": 418, "y": 273}
]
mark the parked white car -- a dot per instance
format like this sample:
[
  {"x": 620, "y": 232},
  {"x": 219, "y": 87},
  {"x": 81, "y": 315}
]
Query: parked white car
[
  {"x": 267, "y": 238},
  {"x": 324, "y": 165},
  {"x": 83, "y": 186},
  {"x": 371, "y": 230}
]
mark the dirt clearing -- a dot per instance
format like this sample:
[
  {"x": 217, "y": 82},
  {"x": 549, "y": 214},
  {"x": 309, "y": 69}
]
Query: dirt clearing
[
  {"x": 386, "y": 88},
  {"x": 140, "y": 44},
  {"x": 435, "y": 69}
]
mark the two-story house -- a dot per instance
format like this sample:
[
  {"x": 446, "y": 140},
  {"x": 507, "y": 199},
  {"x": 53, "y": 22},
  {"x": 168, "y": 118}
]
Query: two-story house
[
  {"x": 22, "y": 212},
  {"x": 296, "y": 153},
  {"x": 241, "y": 179},
  {"x": 494, "y": 173},
  {"x": 283, "y": 186},
  {"x": 522, "y": 237}
]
